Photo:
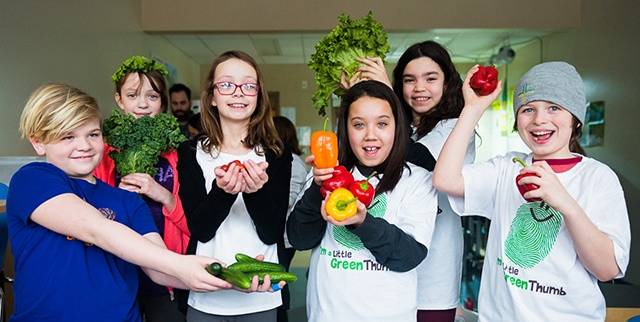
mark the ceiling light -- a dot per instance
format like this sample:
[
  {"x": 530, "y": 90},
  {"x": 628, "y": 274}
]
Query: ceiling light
[{"x": 505, "y": 55}]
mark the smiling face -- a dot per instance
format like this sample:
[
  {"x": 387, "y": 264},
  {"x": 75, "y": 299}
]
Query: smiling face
[
  {"x": 422, "y": 85},
  {"x": 371, "y": 130},
  {"x": 77, "y": 153},
  {"x": 236, "y": 106},
  {"x": 546, "y": 129},
  {"x": 138, "y": 98}
]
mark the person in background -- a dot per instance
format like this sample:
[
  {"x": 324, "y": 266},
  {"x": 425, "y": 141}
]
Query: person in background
[
  {"x": 140, "y": 90},
  {"x": 180, "y": 99},
  {"x": 194, "y": 126},
  {"x": 242, "y": 208},
  {"x": 77, "y": 241},
  {"x": 289, "y": 137},
  {"x": 559, "y": 222}
]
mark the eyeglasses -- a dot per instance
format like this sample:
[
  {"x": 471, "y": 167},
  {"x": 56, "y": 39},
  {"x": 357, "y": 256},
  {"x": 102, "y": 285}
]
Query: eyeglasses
[{"x": 228, "y": 88}]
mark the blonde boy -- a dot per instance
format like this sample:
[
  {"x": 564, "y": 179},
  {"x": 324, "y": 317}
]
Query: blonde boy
[{"x": 76, "y": 240}]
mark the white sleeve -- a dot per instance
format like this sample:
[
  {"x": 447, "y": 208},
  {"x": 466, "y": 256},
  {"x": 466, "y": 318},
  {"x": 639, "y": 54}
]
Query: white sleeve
[
  {"x": 417, "y": 215},
  {"x": 607, "y": 210},
  {"x": 434, "y": 140},
  {"x": 480, "y": 187},
  {"x": 298, "y": 180}
]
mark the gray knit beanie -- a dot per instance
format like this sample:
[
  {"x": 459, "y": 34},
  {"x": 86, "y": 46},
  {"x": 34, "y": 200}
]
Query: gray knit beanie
[{"x": 556, "y": 82}]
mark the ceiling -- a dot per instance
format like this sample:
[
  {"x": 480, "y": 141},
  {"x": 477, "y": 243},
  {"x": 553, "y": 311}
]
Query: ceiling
[{"x": 465, "y": 45}]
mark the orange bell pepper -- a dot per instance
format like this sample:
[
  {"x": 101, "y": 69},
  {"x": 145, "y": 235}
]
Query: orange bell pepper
[
  {"x": 341, "y": 204},
  {"x": 324, "y": 147}
]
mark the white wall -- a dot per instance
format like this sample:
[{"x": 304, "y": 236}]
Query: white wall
[
  {"x": 76, "y": 42},
  {"x": 605, "y": 51}
]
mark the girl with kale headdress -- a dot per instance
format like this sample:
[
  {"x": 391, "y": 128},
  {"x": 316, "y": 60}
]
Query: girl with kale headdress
[{"x": 144, "y": 131}]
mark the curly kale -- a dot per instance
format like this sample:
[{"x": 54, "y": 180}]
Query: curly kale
[
  {"x": 139, "y": 142},
  {"x": 337, "y": 52}
]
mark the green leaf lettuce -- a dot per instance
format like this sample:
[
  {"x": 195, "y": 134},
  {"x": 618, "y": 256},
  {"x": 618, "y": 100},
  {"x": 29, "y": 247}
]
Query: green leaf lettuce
[{"x": 337, "y": 53}]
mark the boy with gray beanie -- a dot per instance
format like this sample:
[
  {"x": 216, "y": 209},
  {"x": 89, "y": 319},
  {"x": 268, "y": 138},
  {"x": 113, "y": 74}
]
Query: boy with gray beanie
[
  {"x": 558, "y": 83},
  {"x": 555, "y": 231}
]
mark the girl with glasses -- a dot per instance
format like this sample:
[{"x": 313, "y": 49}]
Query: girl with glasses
[{"x": 234, "y": 185}]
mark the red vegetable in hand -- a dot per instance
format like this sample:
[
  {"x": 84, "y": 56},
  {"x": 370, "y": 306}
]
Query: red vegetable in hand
[
  {"x": 363, "y": 190},
  {"x": 485, "y": 80},
  {"x": 527, "y": 186},
  {"x": 228, "y": 165},
  {"x": 341, "y": 178}
]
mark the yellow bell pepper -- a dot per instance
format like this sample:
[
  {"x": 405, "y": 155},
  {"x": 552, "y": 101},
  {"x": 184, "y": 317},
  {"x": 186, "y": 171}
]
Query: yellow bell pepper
[{"x": 341, "y": 204}]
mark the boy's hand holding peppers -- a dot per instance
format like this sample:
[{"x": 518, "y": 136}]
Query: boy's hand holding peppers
[
  {"x": 524, "y": 188},
  {"x": 549, "y": 189}
]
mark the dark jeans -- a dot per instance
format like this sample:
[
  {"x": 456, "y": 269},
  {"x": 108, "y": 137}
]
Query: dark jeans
[
  {"x": 160, "y": 309},
  {"x": 437, "y": 315}
]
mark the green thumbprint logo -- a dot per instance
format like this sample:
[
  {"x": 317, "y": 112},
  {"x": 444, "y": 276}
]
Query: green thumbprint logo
[
  {"x": 533, "y": 233},
  {"x": 346, "y": 238}
]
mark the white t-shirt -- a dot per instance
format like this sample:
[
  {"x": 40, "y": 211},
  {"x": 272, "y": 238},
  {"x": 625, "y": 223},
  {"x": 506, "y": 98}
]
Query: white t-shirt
[
  {"x": 531, "y": 269},
  {"x": 236, "y": 234},
  {"x": 347, "y": 284},
  {"x": 440, "y": 273},
  {"x": 298, "y": 180}
]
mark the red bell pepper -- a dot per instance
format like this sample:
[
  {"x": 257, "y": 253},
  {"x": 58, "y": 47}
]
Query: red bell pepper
[
  {"x": 527, "y": 186},
  {"x": 363, "y": 190},
  {"x": 485, "y": 80},
  {"x": 341, "y": 178},
  {"x": 236, "y": 162}
]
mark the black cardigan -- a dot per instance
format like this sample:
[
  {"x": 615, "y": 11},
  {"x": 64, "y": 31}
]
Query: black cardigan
[{"x": 205, "y": 212}]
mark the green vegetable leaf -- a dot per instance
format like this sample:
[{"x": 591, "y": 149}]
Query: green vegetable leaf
[
  {"x": 139, "y": 142},
  {"x": 337, "y": 53}
]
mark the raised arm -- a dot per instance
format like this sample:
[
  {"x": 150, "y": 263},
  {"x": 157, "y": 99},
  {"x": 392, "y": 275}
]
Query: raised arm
[{"x": 447, "y": 175}]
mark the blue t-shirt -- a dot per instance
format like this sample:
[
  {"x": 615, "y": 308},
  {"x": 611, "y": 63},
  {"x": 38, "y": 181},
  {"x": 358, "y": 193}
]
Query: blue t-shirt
[{"x": 58, "y": 278}]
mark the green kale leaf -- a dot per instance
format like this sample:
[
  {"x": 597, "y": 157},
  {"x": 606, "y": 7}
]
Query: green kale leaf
[{"x": 139, "y": 142}]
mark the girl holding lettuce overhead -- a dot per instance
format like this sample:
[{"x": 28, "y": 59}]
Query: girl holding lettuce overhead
[{"x": 141, "y": 92}]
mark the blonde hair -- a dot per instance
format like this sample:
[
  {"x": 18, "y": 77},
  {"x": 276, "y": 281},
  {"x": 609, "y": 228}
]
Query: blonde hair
[{"x": 54, "y": 110}]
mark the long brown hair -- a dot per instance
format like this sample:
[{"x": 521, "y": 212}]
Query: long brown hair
[
  {"x": 393, "y": 166},
  {"x": 261, "y": 130},
  {"x": 288, "y": 134},
  {"x": 452, "y": 101}
]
